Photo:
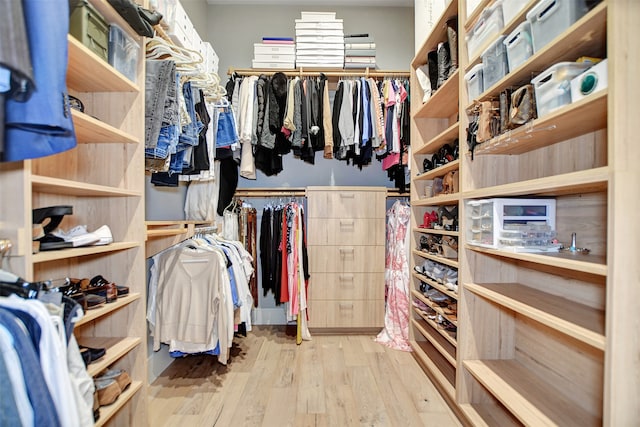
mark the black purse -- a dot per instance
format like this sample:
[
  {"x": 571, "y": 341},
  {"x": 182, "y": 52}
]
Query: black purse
[{"x": 140, "y": 19}]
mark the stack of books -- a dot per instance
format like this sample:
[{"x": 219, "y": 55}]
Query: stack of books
[
  {"x": 274, "y": 52},
  {"x": 319, "y": 40},
  {"x": 359, "y": 51}
]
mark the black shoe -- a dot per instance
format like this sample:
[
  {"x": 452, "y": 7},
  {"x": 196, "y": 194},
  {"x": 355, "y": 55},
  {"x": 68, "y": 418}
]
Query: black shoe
[
  {"x": 90, "y": 355},
  {"x": 152, "y": 17},
  {"x": 54, "y": 213}
]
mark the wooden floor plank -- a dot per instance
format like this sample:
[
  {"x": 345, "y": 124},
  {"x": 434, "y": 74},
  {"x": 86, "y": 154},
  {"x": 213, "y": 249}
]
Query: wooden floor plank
[{"x": 270, "y": 381}]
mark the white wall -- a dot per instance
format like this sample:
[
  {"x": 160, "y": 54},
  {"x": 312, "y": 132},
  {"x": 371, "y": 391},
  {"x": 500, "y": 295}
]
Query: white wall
[{"x": 427, "y": 13}]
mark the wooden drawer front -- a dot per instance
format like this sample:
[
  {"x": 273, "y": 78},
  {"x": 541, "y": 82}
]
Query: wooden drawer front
[
  {"x": 346, "y": 204},
  {"x": 346, "y": 259},
  {"x": 363, "y": 231},
  {"x": 346, "y": 314},
  {"x": 346, "y": 286}
]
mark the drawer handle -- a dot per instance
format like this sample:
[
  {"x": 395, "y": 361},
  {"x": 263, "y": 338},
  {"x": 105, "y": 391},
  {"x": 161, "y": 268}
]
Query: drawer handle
[
  {"x": 347, "y": 223},
  {"x": 346, "y": 250},
  {"x": 347, "y": 195},
  {"x": 346, "y": 306},
  {"x": 346, "y": 277}
]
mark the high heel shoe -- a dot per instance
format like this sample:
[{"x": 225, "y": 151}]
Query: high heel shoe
[
  {"x": 448, "y": 247},
  {"x": 448, "y": 218}
]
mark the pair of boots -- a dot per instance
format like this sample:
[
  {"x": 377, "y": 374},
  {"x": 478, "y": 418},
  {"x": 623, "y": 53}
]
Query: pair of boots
[
  {"x": 443, "y": 61},
  {"x": 141, "y": 20}
]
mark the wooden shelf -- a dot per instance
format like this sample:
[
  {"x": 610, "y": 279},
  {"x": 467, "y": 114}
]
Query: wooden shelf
[
  {"x": 487, "y": 415},
  {"x": 438, "y": 34},
  {"x": 450, "y": 337},
  {"x": 87, "y": 72},
  {"x": 443, "y": 199},
  {"x": 116, "y": 348},
  {"x": 586, "y": 37},
  {"x": 436, "y": 366},
  {"x": 439, "y": 172},
  {"x": 47, "y": 184},
  {"x": 579, "y": 321},
  {"x": 530, "y": 399},
  {"x": 46, "y": 256},
  {"x": 586, "y": 115},
  {"x": 586, "y": 181},
  {"x": 592, "y": 264},
  {"x": 434, "y": 284},
  {"x": 168, "y": 232},
  {"x": 107, "y": 412},
  {"x": 444, "y": 102},
  {"x": 90, "y": 130},
  {"x": 444, "y": 137},
  {"x": 435, "y": 308},
  {"x": 434, "y": 231},
  {"x": 437, "y": 341},
  {"x": 96, "y": 313},
  {"x": 436, "y": 258}
]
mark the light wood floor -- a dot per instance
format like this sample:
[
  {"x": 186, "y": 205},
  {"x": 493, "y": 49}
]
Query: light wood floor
[{"x": 330, "y": 381}]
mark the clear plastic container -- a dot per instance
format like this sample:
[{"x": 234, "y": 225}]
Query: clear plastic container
[
  {"x": 489, "y": 24},
  {"x": 553, "y": 86},
  {"x": 494, "y": 61},
  {"x": 474, "y": 82},
  {"x": 519, "y": 45},
  {"x": 510, "y": 8},
  {"x": 123, "y": 52},
  {"x": 549, "y": 18}
]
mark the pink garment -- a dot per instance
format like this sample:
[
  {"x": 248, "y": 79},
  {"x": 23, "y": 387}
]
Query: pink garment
[{"x": 396, "y": 318}]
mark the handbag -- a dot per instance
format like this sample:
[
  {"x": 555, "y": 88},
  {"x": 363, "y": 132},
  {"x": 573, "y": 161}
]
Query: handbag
[{"x": 523, "y": 106}]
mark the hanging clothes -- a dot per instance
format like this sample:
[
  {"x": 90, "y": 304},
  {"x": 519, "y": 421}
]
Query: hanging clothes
[{"x": 396, "y": 320}]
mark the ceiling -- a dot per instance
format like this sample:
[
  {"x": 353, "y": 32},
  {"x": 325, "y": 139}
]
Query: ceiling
[{"x": 304, "y": 3}]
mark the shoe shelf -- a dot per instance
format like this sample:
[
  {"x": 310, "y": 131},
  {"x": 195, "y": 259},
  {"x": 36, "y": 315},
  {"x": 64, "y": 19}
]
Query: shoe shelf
[
  {"x": 444, "y": 102},
  {"x": 47, "y": 256},
  {"x": 488, "y": 415},
  {"x": 108, "y": 412},
  {"x": 580, "y": 182},
  {"x": 116, "y": 348},
  {"x": 425, "y": 326},
  {"x": 438, "y": 310},
  {"x": 579, "y": 321},
  {"x": 529, "y": 398},
  {"x": 434, "y": 231},
  {"x": 442, "y": 199},
  {"x": 106, "y": 309},
  {"x": 586, "y": 263},
  {"x": 587, "y": 36},
  {"x": 444, "y": 137},
  {"x": 47, "y": 184},
  {"x": 87, "y": 72},
  {"x": 586, "y": 115},
  {"x": 437, "y": 367},
  {"x": 435, "y": 285},
  {"x": 441, "y": 260},
  {"x": 89, "y": 130},
  {"x": 441, "y": 171}
]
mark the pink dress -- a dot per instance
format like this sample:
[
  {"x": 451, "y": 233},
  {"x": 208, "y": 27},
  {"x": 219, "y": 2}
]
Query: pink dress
[{"x": 396, "y": 319}]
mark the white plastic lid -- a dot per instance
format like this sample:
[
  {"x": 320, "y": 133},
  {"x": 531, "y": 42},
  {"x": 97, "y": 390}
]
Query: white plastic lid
[
  {"x": 499, "y": 42},
  {"x": 473, "y": 71}
]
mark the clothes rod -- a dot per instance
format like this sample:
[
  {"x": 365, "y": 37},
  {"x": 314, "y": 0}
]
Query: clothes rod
[
  {"x": 367, "y": 72},
  {"x": 266, "y": 192}
]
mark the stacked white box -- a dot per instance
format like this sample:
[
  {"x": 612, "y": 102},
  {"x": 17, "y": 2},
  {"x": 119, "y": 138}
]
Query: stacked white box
[
  {"x": 274, "y": 54},
  {"x": 319, "y": 40}
]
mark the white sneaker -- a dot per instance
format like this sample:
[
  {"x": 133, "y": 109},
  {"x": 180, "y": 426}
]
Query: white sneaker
[
  {"x": 78, "y": 236},
  {"x": 105, "y": 235}
]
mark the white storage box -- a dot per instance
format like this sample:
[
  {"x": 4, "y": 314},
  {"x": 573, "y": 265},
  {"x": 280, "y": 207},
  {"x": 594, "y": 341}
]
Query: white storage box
[
  {"x": 549, "y": 18},
  {"x": 591, "y": 81},
  {"x": 553, "y": 86},
  {"x": 510, "y": 8},
  {"x": 519, "y": 45},
  {"x": 474, "y": 82},
  {"x": 489, "y": 24},
  {"x": 494, "y": 61},
  {"x": 123, "y": 52},
  {"x": 512, "y": 223}
]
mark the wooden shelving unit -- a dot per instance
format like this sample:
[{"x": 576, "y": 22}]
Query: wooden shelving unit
[
  {"x": 543, "y": 339},
  {"x": 103, "y": 179}
]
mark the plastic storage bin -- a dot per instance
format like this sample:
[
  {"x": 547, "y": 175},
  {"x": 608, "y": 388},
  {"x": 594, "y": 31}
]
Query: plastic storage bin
[
  {"x": 510, "y": 8},
  {"x": 511, "y": 223},
  {"x": 90, "y": 28},
  {"x": 553, "y": 86},
  {"x": 549, "y": 18},
  {"x": 123, "y": 52},
  {"x": 591, "y": 81},
  {"x": 474, "y": 81},
  {"x": 519, "y": 46},
  {"x": 494, "y": 61},
  {"x": 489, "y": 24}
]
